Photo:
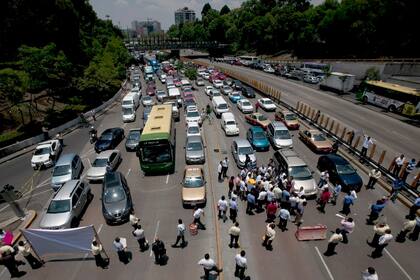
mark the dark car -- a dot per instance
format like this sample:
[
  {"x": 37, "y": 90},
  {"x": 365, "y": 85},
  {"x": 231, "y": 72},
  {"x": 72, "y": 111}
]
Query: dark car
[
  {"x": 116, "y": 198},
  {"x": 340, "y": 171},
  {"x": 146, "y": 112},
  {"x": 248, "y": 92},
  {"x": 237, "y": 84},
  {"x": 228, "y": 82},
  {"x": 109, "y": 139},
  {"x": 133, "y": 139},
  {"x": 189, "y": 102}
]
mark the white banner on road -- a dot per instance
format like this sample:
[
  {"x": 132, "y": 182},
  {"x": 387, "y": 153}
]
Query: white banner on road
[{"x": 63, "y": 241}]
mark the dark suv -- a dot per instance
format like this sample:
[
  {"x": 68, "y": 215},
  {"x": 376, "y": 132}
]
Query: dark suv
[{"x": 247, "y": 91}]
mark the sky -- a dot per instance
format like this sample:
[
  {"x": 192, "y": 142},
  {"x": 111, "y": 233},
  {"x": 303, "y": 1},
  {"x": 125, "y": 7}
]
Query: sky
[{"x": 123, "y": 12}]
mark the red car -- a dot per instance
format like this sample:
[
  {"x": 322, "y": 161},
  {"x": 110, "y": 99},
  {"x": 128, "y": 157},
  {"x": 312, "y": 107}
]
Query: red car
[
  {"x": 150, "y": 90},
  {"x": 221, "y": 76},
  {"x": 258, "y": 119}
]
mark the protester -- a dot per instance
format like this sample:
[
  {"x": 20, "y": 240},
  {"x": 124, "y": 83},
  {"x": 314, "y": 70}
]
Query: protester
[
  {"x": 271, "y": 212},
  {"x": 198, "y": 212},
  {"x": 120, "y": 245},
  {"x": 25, "y": 250},
  {"x": 250, "y": 203},
  {"x": 97, "y": 250},
  {"x": 220, "y": 171},
  {"x": 222, "y": 206},
  {"x": 180, "y": 234},
  {"x": 299, "y": 212},
  {"x": 234, "y": 233},
  {"x": 336, "y": 192},
  {"x": 7, "y": 258},
  {"x": 323, "y": 200},
  {"x": 398, "y": 163},
  {"x": 365, "y": 146},
  {"x": 375, "y": 210},
  {"x": 138, "y": 233},
  {"x": 347, "y": 226},
  {"x": 284, "y": 216},
  {"x": 374, "y": 176},
  {"x": 133, "y": 219},
  {"x": 347, "y": 202},
  {"x": 270, "y": 234},
  {"x": 332, "y": 242},
  {"x": 414, "y": 207},
  {"x": 240, "y": 265},
  {"x": 233, "y": 209},
  {"x": 382, "y": 243},
  {"x": 410, "y": 167},
  {"x": 208, "y": 265},
  {"x": 379, "y": 230},
  {"x": 408, "y": 226},
  {"x": 225, "y": 166},
  {"x": 369, "y": 274},
  {"x": 158, "y": 249},
  {"x": 414, "y": 235}
]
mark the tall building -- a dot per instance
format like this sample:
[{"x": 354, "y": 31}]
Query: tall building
[
  {"x": 184, "y": 15},
  {"x": 144, "y": 28}
]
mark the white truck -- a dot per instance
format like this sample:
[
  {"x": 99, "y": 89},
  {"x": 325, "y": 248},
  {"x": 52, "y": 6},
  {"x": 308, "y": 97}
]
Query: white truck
[{"x": 337, "y": 81}]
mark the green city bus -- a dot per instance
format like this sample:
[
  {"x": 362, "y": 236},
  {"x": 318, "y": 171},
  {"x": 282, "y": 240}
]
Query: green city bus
[{"x": 156, "y": 150}]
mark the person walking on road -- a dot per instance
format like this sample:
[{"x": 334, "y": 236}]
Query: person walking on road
[
  {"x": 382, "y": 243},
  {"x": 271, "y": 212},
  {"x": 284, "y": 216},
  {"x": 97, "y": 250},
  {"x": 25, "y": 250},
  {"x": 133, "y": 219},
  {"x": 367, "y": 141},
  {"x": 347, "y": 227},
  {"x": 209, "y": 265},
  {"x": 198, "y": 212},
  {"x": 222, "y": 206},
  {"x": 347, "y": 202},
  {"x": 335, "y": 193},
  {"x": 234, "y": 233},
  {"x": 379, "y": 230},
  {"x": 299, "y": 211},
  {"x": 410, "y": 167},
  {"x": 374, "y": 176},
  {"x": 233, "y": 209},
  {"x": 225, "y": 167},
  {"x": 231, "y": 185},
  {"x": 250, "y": 198},
  {"x": 408, "y": 226},
  {"x": 398, "y": 164},
  {"x": 369, "y": 274},
  {"x": 240, "y": 265},
  {"x": 220, "y": 171},
  {"x": 120, "y": 245},
  {"x": 138, "y": 233},
  {"x": 180, "y": 235},
  {"x": 397, "y": 185},
  {"x": 375, "y": 211},
  {"x": 323, "y": 179},
  {"x": 158, "y": 249},
  {"x": 323, "y": 200},
  {"x": 414, "y": 207},
  {"x": 7, "y": 258},
  {"x": 332, "y": 242},
  {"x": 269, "y": 236},
  {"x": 414, "y": 235}
]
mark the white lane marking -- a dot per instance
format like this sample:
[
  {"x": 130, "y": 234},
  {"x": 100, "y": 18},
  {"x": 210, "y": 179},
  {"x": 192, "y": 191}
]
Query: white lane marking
[
  {"x": 124, "y": 125},
  {"x": 398, "y": 264},
  {"x": 167, "y": 179},
  {"x": 156, "y": 232},
  {"x": 323, "y": 262},
  {"x": 100, "y": 228},
  {"x": 128, "y": 172},
  {"x": 88, "y": 160}
]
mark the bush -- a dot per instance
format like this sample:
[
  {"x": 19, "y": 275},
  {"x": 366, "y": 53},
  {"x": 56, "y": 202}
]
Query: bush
[{"x": 10, "y": 137}]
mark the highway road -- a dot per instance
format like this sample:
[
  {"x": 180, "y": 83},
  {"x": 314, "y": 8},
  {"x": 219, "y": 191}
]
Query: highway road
[
  {"x": 158, "y": 204},
  {"x": 391, "y": 134}
]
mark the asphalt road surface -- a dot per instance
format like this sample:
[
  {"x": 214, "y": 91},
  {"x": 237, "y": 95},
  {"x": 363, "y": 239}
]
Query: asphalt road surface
[{"x": 158, "y": 203}]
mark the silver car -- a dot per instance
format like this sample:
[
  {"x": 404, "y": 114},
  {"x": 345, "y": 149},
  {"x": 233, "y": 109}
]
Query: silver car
[
  {"x": 147, "y": 101},
  {"x": 133, "y": 139},
  {"x": 68, "y": 167},
  {"x": 160, "y": 95},
  {"x": 109, "y": 158},
  {"x": 66, "y": 206},
  {"x": 226, "y": 90},
  {"x": 194, "y": 150},
  {"x": 240, "y": 149}
]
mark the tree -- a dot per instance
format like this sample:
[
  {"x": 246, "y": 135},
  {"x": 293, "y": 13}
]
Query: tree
[
  {"x": 225, "y": 10},
  {"x": 206, "y": 9},
  {"x": 13, "y": 86}
]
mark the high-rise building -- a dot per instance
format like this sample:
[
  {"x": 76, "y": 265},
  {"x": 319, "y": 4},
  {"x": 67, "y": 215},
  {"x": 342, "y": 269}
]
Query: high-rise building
[
  {"x": 144, "y": 28},
  {"x": 184, "y": 15}
]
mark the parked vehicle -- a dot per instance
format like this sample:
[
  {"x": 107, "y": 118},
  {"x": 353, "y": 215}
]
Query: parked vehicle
[
  {"x": 107, "y": 159},
  {"x": 228, "y": 124},
  {"x": 310, "y": 79},
  {"x": 199, "y": 82},
  {"x": 241, "y": 148},
  {"x": 340, "y": 82},
  {"x": 46, "y": 154},
  {"x": 193, "y": 187},
  {"x": 68, "y": 167},
  {"x": 109, "y": 139},
  {"x": 256, "y": 136}
]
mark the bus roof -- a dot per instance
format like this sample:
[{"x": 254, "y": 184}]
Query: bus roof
[
  {"x": 395, "y": 87},
  {"x": 158, "y": 125}
]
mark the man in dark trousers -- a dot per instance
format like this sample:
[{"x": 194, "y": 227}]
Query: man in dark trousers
[
  {"x": 25, "y": 250},
  {"x": 180, "y": 234},
  {"x": 7, "y": 258},
  {"x": 383, "y": 242},
  {"x": 159, "y": 251},
  {"x": 332, "y": 242}
]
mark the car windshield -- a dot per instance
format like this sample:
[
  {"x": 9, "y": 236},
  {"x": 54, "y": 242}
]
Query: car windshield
[
  {"x": 259, "y": 135},
  {"x": 319, "y": 137},
  {"x": 59, "y": 206},
  {"x": 127, "y": 111},
  {"x": 156, "y": 153},
  {"x": 345, "y": 169},
  {"x": 267, "y": 102},
  {"x": 290, "y": 117},
  {"x": 246, "y": 103},
  {"x": 193, "y": 114},
  {"x": 193, "y": 182},
  {"x": 236, "y": 94},
  {"x": 107, "y": 136},
  {"x": 42, "y": 151},
  {"x": 100, "y": 162},
  {"x": 245, "y": 150},
  {"x": 147, "y": 98},
  {"x": 261, "y": 118},
  {"x": 230, "y": 123},
  {"x": 222, "y": 106},
  {"x": 282, "y": 134},
  {"x": 134, "y": 135},
  {"x": 114, "y": 194},
  {"x": 193, "y": 130},
  {"x": 300, "y": 173},
  {"x": 226, "y": 87},
  {"x": 161, "y": 93},
  {"x": 61, "y": 170},
  {"x": 127, "y": 102},
  {"x": 215, "y": 93},
  {"x": 194, "y": 146}
]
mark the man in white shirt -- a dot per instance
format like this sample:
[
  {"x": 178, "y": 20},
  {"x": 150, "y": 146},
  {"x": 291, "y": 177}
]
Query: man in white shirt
[
  {"x": 133, "y": 219},
  {"x": 398, "y": 163},
  {"x": 240, "y": 265},
  {"x": 180, "y": 235},
  {"x": 222, "y": 206},
  {"x": 369, "y": 274},
  {"x": 25, "y": 250},
  {"x": 234, "y": 233},
  {"x": 96, "y": 249},
  {"x": 138, "y": 233},
  {"x": 225, "y": 166},
  {"x": 120, "y": 246},
  {"x": 323, "y": 179},
  {"x": 382, "y": 243},
  {"x": 347, "y": 226},
  {"x": 220, "y": 170},
  {"x": 208, "y": 265},
  {"x": 262, "y": 196},
  {"x": 332, "y": 242},
  {"x": 197, "y": 215},
  {"x": 270, "y": 234},
  {"x": 366, "y": 143}
]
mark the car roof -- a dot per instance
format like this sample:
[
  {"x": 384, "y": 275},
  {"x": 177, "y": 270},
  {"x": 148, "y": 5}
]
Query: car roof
[
  {"x": 46, "y": 143},
  {"x": 193, "y": 170},
  {"x": 256, "y": 129},
  {"x": 242, "y": 142},
  {"x": 190, "y": 124},
  {"x": 337, "y": 159},
  {"x": 66, "y": 190},
  {"x": 278, "y": 125},
  {"x": 265, "y": 99},
  {"x": 287, "y": 112},
  {"x": 106, "y": 154},
  {"x": 65, "y": 159},
  {"x": 292, "y": 158},
  {"x": 314, "y": 131},
  {"x": 112, "y": 179},
  {"x": 257, "y": 114}
]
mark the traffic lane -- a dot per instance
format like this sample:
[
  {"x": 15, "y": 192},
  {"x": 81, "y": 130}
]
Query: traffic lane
[
  {"x": 361, "y": 207},
  {"x": 346, "y": 112}
]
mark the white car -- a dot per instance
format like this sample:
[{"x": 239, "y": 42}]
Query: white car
[
  {"x": 268, "y": 69},
  {"x": 160, "y": 94},
  {"x": 193, "y": 117},
  {"x": 147, "y": 101},
  {"x": 99, "y": 165},
  {"x": 199, "y": 82},
  {"x": 245, "y": 106},
  {"x": 226, "y": 90},
  {"x": 162, "y": 78},
  {"x": 193, "y": 129},
  {"x": 310, "y": 79},
  {"x": 128, "y": 114},
  {"x": 217, "y": 83},
  {"x": 206, "y": 76},
  {"x": 208, "y": 89},
  {"x": 191, "y": 108},
  {"x": 45, "y": 154},
  {"x": 267, "y": 104}
]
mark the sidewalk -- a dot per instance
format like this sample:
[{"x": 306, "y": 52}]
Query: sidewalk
[{"x": 15, "y": 224}]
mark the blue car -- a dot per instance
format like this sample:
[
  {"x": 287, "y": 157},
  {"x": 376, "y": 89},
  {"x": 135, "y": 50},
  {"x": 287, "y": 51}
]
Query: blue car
[
  {"x": 235, "y": 96},
  {"x": 146, "y": 112},
  {"x": 258, "y": 139},
  {"x": 340, "y": 171}
]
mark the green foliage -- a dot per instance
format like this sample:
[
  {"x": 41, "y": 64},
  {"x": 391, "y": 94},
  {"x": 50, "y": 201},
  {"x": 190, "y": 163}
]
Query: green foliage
[
  {"x": 10, "y": 137},
  {"x": 13, "y": 85},
  {"x": 191, "y": 73},
  {"x": 332, "y": 29},
  {"x": 372, "y": 74}
]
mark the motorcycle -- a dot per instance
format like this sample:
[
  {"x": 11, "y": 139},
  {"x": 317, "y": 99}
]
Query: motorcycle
[{"x": 93, "y": 137}]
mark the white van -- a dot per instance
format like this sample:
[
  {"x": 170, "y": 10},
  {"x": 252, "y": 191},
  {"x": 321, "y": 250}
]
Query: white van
[
  {"x": 128, "y": 114},
  {"x": 229, "y": 124},
  {"x": 220, "y": 106},
  {"x": 174, "y": 93},
  {"x": 131, "y": 100}
]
